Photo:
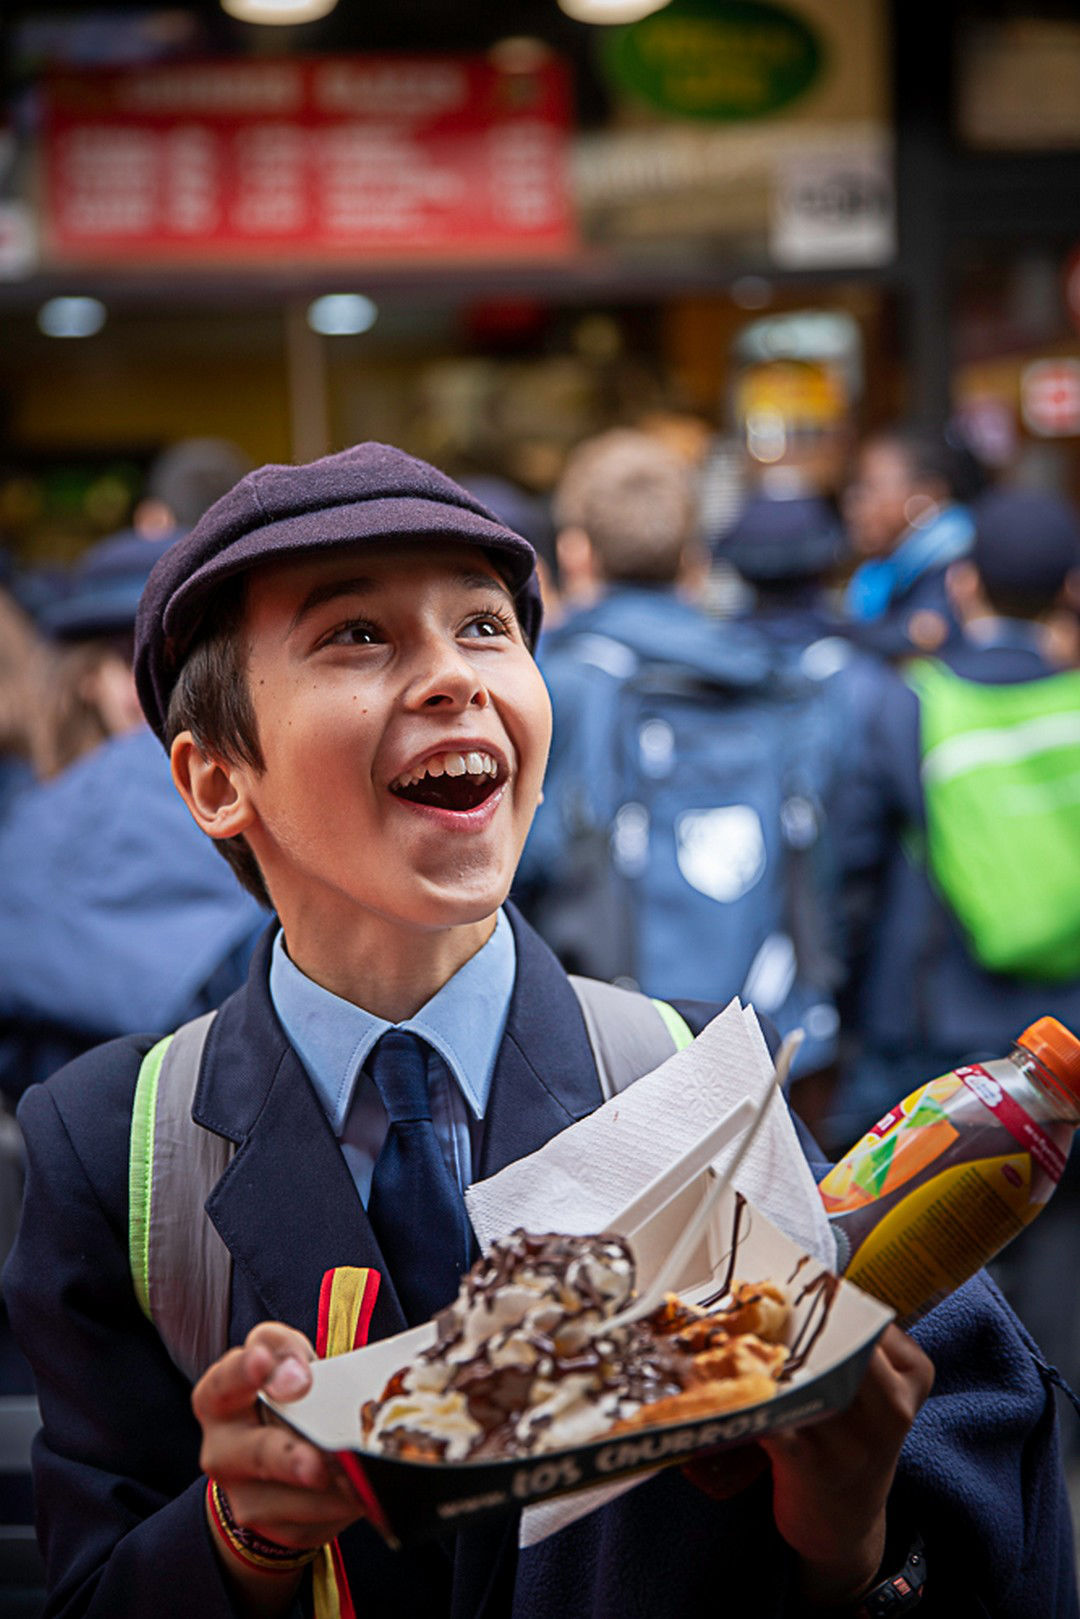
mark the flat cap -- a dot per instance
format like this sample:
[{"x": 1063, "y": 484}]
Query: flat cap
[
  {"x": 100, "y": 596},
  {"x": 1026, "y": 542},
  {"x": 371, "y": 492},
  {"x": 790, "y": 537}
]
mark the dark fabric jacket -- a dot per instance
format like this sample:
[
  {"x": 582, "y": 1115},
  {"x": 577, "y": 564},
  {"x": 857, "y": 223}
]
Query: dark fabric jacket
[
  {"x": 120, "y": 1497},
  {"x": 116, "y": 914}
]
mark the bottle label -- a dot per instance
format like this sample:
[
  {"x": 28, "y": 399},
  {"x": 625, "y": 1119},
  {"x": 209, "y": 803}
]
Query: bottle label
[
  {"x": 943, "y": 1230},
  {"x": 913, "y": 1135},
  {"x": 1013, "y": 1118}
]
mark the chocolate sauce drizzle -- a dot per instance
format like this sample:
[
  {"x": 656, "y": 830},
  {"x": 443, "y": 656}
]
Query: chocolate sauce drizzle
[
  {"x": 729, "y": 1275},
  {"x": 822, "y": 1290}
]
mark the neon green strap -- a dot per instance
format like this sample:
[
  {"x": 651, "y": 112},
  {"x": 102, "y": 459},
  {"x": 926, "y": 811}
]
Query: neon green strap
[
  {"x": 676, "y": 1025},
  {"x": 141, "y": 1171}
]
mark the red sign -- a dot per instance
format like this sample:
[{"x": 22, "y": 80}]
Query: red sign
[
  {"x": 378, "y": 155},
  {"x": 1050, "y": 398}
]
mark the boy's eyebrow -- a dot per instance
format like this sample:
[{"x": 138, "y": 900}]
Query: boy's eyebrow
[{"x": 360, "y": 585}]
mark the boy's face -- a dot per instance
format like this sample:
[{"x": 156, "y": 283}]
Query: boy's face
[{"x": 404, "y": 728}]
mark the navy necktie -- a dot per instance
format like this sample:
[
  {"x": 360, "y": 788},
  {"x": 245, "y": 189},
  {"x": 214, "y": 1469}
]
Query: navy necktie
[{"x": 415, "y": 1207}]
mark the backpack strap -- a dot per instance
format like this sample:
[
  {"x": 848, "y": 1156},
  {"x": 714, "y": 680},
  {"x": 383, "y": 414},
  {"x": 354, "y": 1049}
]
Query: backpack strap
[
  {"x": 630, "y": 1033},
  {"x": 180, "y": 1266}
]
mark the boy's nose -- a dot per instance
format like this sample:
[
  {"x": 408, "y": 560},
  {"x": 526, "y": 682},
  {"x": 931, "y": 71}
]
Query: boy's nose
[{"x": 446, "y": 677}]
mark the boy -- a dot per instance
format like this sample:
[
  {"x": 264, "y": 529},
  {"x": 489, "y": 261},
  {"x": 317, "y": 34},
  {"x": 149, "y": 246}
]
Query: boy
[{"x": 340, "y": 657}]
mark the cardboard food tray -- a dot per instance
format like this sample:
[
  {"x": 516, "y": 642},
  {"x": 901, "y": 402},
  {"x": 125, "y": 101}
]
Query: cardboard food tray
[{"x": 833, "y": 1323}]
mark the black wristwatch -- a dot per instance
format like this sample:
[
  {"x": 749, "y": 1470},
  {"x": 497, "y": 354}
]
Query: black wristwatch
[{"x": 901, "y": 1592}]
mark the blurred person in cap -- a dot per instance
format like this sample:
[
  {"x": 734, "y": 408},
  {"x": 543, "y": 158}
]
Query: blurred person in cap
[
  {"x": 87, "y": 691},
  {"x": 787, "y": 544},
  {"x": 339, "y": 660},
  {"x": 86, "y": 687},
  {"x": 906, "y": 510},
  {"x": 112, "y": 907},
  {"x": 960, "y": 831},
  {"x": 22, "y": 652}
]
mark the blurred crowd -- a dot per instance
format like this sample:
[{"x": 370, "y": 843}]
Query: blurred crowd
[{"x": 826, "y": 758}]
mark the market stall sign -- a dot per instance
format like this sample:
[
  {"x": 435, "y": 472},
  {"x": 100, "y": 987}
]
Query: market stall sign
[
  {"x": 389, "y": 156},
  {"x": 718, "y": 59},
  {"x": 1050, "y": 398}
]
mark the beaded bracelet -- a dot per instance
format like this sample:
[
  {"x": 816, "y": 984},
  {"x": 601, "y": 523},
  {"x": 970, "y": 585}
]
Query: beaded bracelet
[{"x": 248, "y": 1547}]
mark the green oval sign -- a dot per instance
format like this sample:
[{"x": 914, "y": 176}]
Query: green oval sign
[{"x": 716, "y": 59}]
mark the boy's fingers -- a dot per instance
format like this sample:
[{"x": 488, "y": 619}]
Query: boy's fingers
[
  {"x": 269, "y": 1455},
  {"x": 280, "y": 1340},
  {"x": 274, "y": 1357},
  {"x": 906, "y": 1357}
]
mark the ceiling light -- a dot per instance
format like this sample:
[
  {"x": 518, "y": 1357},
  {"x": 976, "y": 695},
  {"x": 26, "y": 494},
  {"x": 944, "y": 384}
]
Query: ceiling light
[
  {"x": 71, "y": 317},
  {"x": 611, "y": 11},
  {"x": 342, "y": 314},
  {"x": 280, "y": 12}
]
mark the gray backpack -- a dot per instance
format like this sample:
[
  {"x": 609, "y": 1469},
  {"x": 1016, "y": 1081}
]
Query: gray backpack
[{"x": 181, "y": 1269}]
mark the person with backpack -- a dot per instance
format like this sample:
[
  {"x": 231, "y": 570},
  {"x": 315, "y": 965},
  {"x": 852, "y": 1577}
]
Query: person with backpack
[
  {"x": 339, "y": 659},
  {"x": 679, "y": 844},
  {"x": 786, "y": 546},
  {"x": 960, "y": 832}
]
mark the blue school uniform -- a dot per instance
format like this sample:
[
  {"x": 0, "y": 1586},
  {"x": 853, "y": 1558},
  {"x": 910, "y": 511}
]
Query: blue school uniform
[{"x": 120, "y": 1495}]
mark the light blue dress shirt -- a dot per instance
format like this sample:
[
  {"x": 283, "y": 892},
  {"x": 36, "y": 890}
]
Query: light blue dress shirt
[{"x": 464, "y": 1022}]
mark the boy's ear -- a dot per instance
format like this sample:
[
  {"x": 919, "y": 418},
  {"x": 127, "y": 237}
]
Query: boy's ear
[{"x": 212, "y": 790}]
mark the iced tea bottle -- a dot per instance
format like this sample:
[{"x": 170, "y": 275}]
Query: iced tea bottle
[{"x": 955, "y": 1170}]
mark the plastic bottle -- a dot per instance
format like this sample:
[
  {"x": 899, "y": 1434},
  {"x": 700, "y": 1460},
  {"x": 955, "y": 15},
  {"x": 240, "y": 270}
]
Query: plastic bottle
[{"x": 955, "y": 1170}]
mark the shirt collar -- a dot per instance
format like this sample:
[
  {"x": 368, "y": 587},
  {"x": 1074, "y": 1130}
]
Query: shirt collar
[{"x": 464, "y": 1021}]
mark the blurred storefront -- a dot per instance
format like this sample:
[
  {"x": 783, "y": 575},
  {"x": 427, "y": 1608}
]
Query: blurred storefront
[{"x": 743, "y": 215}]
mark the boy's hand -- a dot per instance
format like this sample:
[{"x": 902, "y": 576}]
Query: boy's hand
[
  {"x": 276, "y": 1483},
  {"x": 831, "y": 1480}
]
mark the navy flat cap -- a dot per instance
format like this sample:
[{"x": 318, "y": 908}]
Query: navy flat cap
[
  {"x": 1025, "y": 541},
  {"x": 370, "y": 492},
  {"x": 777, "y": 538},
  {"x": 101, "y": 594}
]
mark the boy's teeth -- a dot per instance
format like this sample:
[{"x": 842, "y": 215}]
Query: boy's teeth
[{"x": 473, "y": 763}]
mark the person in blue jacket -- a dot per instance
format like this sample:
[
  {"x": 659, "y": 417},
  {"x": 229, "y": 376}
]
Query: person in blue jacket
[
  {"x": 114, "y": 914},
  {"x": 339, "y": 658},
  {"x": 906, "y": 509}
]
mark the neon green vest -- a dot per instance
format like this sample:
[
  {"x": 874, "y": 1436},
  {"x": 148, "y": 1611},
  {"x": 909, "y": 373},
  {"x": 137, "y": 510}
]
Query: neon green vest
[{"x": 1001, "y": 779}]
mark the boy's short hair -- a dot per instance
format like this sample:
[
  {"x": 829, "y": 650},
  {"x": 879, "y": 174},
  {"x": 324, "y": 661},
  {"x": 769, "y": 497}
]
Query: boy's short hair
[
  {"x": 190, "y": 658},
  {"x": 635, "y": 500},
  {"x": 1025, "y": 546},
  {"x": 212, "y": 700}
]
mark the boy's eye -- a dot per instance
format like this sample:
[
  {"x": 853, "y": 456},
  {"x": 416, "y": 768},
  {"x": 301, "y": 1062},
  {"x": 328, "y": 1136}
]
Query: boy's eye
[
  {"x": 487, "y": 625},
  {"x": 357, "y": 632}
]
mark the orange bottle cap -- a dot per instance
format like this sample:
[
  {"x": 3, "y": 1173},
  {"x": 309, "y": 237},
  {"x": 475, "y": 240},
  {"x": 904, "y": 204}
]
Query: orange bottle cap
[{"x": 1057, "y": 1049}]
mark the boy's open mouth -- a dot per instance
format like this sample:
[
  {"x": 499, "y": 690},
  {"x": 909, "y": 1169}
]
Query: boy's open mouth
[{"x": 451, "y": 781}]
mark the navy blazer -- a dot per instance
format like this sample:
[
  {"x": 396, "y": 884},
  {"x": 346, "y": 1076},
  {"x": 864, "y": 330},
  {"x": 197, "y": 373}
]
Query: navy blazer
[{"x": 118, "y": 1487}]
